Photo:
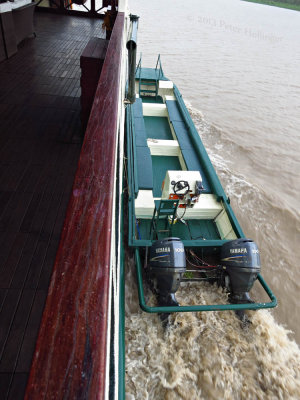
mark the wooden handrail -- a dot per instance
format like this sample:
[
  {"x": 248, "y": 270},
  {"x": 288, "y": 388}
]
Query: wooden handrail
[{"x": 70, "y": 355}]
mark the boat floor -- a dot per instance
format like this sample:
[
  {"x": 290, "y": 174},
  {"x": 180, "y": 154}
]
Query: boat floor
[
  {"x": 191, "y": 230},
  {"x": 39, "y": 149},
  {"x": 158, "y": 128}
]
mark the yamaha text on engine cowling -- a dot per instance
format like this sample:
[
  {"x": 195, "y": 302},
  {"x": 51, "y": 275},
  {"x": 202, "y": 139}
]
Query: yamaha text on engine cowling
[
  {"x": 241, "y": 261},
  {"x": 167, "y": 265}
]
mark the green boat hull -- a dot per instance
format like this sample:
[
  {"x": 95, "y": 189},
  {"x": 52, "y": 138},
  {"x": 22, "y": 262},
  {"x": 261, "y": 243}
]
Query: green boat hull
[{"x": 162, "y": 137}]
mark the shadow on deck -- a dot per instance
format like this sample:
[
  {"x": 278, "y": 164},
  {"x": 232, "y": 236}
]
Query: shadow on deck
[{"x": 40, "y": 133}]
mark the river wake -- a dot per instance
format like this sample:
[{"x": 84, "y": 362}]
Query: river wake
[{"x": 207, "y": 355}]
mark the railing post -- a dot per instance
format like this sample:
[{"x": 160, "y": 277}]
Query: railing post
[{"x": 93, "y": 7}]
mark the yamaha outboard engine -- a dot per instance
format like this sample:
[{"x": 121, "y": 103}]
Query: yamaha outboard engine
[
  {"x": 167, "y": 265},
  {"x": 240, "y": 259}
]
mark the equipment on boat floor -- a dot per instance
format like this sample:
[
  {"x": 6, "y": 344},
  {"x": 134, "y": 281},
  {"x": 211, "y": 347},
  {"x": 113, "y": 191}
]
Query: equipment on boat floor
[{"x": 185, "y": 186}]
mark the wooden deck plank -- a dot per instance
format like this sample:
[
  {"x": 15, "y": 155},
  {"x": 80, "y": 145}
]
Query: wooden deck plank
[
  {"x": 9, "y": 308},
  {"x": 36, "y": 265},
  {"x": 6, "y": 239},
  {"x": 5, "y": 381},
  {"x": 17, "y": 386},
  {"x": 4, "y": 200},
  {"x": 31, "y": 210},
  {"x": 28, "y": 344},
  {"x": 21, "y": 269},
  {"x": 40, "y": 110},
  {"x": 45, "y": 238},
  {"x": 11, "y": 219},
  {"x": 30, "y": 178},
  {"x": 8, "y": 269},
  {"x": 11, "y": 175},
  {"x": 3, "y": 293},
  {"x": 47, "y": 267},
  {"x": 14, "y": 341}
]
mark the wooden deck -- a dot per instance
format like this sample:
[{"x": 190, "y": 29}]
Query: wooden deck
[
  {"x": 72, "y": 360},
  {"x": 39, "y": 148}
]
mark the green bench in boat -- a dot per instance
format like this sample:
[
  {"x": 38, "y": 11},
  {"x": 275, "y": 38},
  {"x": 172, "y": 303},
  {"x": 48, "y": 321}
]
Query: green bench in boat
[
  {"x": 186, "y": 145},
  {"x": 142, "y": 152}
]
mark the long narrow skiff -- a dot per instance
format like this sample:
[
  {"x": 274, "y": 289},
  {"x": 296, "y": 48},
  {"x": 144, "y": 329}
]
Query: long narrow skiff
[{"x": 181, "y": 224}]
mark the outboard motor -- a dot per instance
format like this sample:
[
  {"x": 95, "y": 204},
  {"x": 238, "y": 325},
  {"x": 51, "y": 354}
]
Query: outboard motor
[
  {"x": 167, "y": 265},
  {"x": 240, "y": 259}
]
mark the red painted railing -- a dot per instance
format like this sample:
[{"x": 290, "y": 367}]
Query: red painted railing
[{"x": 70, "y": 356}]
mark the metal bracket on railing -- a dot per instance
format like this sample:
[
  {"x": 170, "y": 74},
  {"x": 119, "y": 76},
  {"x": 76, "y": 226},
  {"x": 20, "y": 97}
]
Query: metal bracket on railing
[
  {"x": 139, "y": 66},
  {"x": 160, "y": 71},
  {"x": 131, "y": 47}
]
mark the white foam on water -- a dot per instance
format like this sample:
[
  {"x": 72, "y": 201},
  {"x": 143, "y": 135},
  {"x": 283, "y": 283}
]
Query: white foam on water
[{"x": 209, "y": 355}]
